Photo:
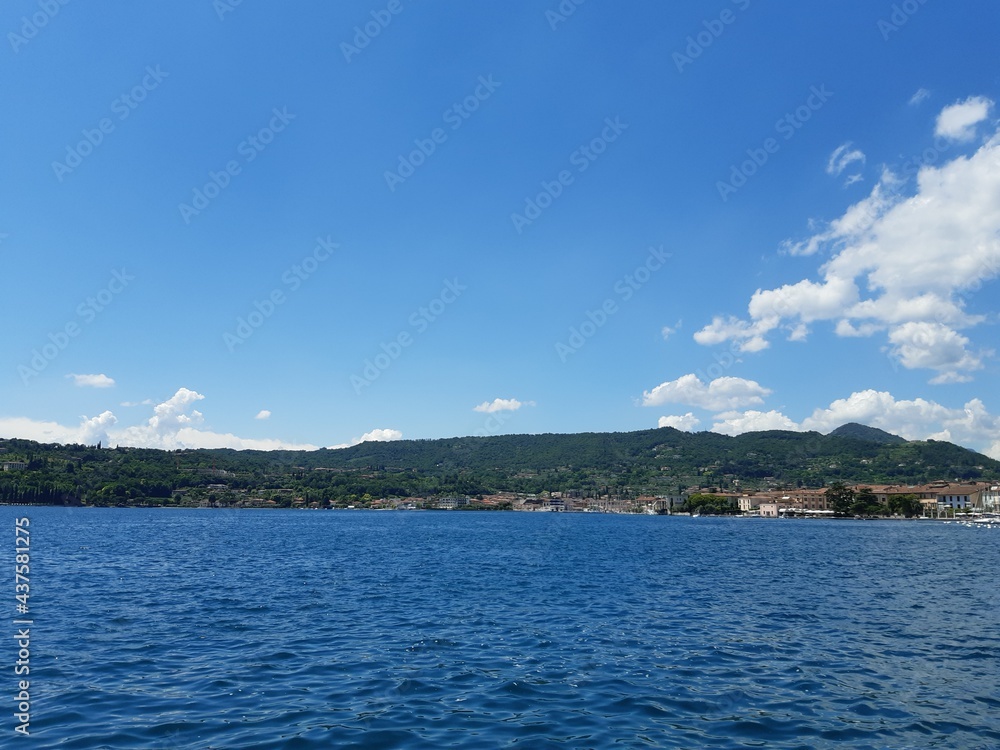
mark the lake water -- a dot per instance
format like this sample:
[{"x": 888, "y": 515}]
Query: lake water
[{"x": 362, "y": 629}]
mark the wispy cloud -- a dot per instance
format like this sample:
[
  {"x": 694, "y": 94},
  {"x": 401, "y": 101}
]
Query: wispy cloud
[
  {"x": 842, "y": 157},
  {"x": 501, "y": 404},
  {"x": 92, "y": 381},
  {"x": 669, "y": 331},
  {"x": 263, "y": 414}
]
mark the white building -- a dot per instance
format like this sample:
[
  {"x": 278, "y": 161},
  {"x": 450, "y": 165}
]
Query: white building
[{"x": 989, "y": 500}]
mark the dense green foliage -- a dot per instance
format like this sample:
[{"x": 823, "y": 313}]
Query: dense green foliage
[
  {"x": 864, "y": 432},
  {"x": 623, "y": 465},
  {"x": 848, "y": 501},
  {"x": 709, "y": 504}
]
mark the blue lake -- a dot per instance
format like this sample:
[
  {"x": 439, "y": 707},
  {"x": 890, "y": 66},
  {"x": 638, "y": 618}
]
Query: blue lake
[{"x": 356, "y": 629}]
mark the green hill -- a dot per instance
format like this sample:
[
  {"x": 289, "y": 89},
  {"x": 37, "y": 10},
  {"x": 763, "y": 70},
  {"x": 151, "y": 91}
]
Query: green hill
[
  {"x": 864, "y": 432},
  {"x": 660, "y": 461}
]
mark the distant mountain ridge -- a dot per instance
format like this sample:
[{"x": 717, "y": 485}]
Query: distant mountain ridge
[
  {"x": 662, "y": 461},
  {"x": 852, "y": 452}
]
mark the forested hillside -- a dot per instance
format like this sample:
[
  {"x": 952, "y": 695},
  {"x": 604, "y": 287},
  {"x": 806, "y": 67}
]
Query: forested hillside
[{"x": 661, "y": 461}]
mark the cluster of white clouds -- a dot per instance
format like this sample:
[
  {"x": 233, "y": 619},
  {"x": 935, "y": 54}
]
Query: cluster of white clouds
[
  {"x": 902, "y": 265},
  {"x": 916, "y": 419},
  {"x": 174, "y": 423},
  {"x": 717, "y": 395}
]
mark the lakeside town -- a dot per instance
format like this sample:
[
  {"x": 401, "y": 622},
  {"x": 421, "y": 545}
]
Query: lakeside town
[
  {"x": 768, "y": 475},
  {"x": 935, "y": 500}
]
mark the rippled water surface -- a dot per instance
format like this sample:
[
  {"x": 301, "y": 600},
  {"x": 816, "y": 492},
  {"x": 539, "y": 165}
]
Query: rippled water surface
[{"x": 354, "y": 629}]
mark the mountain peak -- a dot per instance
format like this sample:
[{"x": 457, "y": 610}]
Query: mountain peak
[{"x": 864, "y": 432}]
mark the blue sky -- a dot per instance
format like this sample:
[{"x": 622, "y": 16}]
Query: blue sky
[{"x": 260, "y": 225}]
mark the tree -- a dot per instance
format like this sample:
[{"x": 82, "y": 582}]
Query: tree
[
  {"x": 906, "y": 505},
  {"x": 710, "y": 504},
  {"x": 866, "y": 503},
  {"x": 840, "y": 498}
]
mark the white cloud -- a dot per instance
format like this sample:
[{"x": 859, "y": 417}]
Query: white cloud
[
  {"x": 501, "y": 404},
  {"x": 92, "y": 381},
  {"x": 144, "y": 402},
  {"x": 736, "y": 423},
  {"x": 842, "y": 157},
  {"x": 936, "y": 347},
  {"x": 806, "y": 300},
  {"x": 685, "y": 422},
  {"x": 958, "y": 121},
  {"x": 718, "y": 395},
  {"x": 669, "y": 331},
  {"x": 174, "y": 424},
  {"x": 750, "y": 337},
  {"x": 857, "y": 220},
  {"x": 919, "y": 96},
  {"x": 799, "y": 333},
  {"x": 375, "y": 436},
  {"x": 263, "y": 414},
  {"x": 381, "y": 436},
  {"x": 88, "y": 432},
  {"x": 901, "y": 264}
]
